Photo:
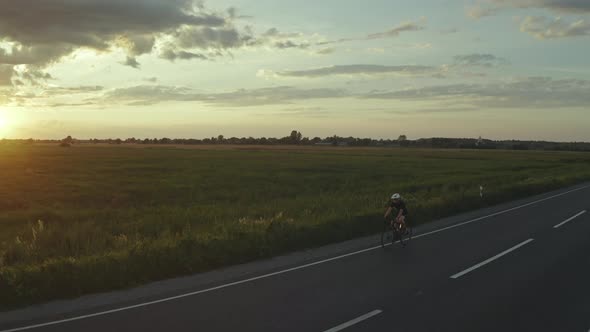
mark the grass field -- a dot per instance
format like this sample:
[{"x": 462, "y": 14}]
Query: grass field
[{"x": 89, "y": 218}]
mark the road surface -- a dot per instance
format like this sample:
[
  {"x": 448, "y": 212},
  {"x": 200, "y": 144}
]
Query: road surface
[{"x": 521, "y": 266}]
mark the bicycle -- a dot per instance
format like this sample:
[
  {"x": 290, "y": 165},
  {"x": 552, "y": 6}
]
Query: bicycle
[{"x": 399, "y": 232}]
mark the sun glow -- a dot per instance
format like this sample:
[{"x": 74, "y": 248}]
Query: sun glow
[{"x": 3, "y": 124}]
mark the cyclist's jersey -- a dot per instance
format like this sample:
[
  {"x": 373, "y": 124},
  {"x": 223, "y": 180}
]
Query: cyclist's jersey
[{"x": 400, "y": 205}]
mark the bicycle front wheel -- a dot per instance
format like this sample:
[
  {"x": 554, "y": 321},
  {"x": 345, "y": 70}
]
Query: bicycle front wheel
[{"x": 386, "y": 234}]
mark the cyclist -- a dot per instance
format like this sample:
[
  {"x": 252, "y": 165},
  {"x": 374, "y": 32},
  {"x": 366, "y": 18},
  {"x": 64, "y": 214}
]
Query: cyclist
[{"x": 397, "y": 203}]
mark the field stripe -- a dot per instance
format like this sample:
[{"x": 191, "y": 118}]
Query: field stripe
[
  {"x": 489, "y": 260},
  {"x": 354, "y": 321},
  {"x": 144, "y": 304},
  {"x": 570, "y": 219}
]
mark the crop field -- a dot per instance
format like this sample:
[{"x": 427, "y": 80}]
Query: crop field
[{"x": 89, "y": 218}]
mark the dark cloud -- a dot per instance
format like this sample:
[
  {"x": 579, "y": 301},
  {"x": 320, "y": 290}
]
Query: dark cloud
[
  {"x": 219, "y": 41},
  {"x": 172, "y": 55},
  {"x": 48, "y": 30},
  {"x": 41, "y": 33},
  {"x": 361, "y": 70},
  {"x": 132, "y": 62},
  {"x": 210, "y": 38},
  {"x": 533, "y": 92},
  {"x": 6, "y": 73},
  {"x": 37, "y": 55},
  {"x": 544, "y": 28},
  {"x": 31, "y": 75}
]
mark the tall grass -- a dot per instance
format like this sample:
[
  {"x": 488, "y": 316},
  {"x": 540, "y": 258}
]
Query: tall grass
[{"x": 82, "y": 220}]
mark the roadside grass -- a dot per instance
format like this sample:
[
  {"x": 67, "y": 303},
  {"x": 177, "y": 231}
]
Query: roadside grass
[{"x": 90, "y": 219}]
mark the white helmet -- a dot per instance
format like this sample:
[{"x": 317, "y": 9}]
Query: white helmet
[{"x": 396, "y": 196}]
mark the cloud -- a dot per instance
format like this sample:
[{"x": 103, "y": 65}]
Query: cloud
[
  {"x": 360, "y": 69},
  {"x": 172, "y": 55},
  {"x": 492, "y": 7},
  {"x": 479, "y": 60},
  {"x": 131, "y": 62},
  {"x": 282, "y": 40},
  {"x": 532, "y": 92},
  {"x": 326, "y": 51},
  {"x": 40, "y": 34},
  {"x": 57, "y": 90},
  {"x": 6, "y": 73},
  {"x": 449, "y": 31},
  {"x": 290, "y": 44},
  {"x": 218, "y": 38},
  {"x": 5, "y": 95},
  {"x": 31, "y": 75},
  {"x": 46, "y": 31},
  {"x": 544, "y": 28},
  {"x": 275, "y": 33},
  {"x": 395, "y": 32},
  {"x": 478, "y": 11},
  {"x": 55, "y": 96},
  {"x": 462, "y": 66},
  {"x": 391, "y": 33},
  {"x": 151, "y": 79},
  {"x": 565, "y": 6},
  {"x": 149, "y": 95}
]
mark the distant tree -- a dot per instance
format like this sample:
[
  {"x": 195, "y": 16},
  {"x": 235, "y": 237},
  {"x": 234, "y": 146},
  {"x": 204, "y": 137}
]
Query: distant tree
[
  {"x": 68, "y": 140},
  {"x": 295, "y": 137},
  {"x": 220, "y": 138},
  {"x": 402, "y": 138}
]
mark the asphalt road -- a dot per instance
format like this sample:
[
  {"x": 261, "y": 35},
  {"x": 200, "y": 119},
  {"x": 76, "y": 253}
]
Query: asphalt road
[{"x": 521, "y": 266}]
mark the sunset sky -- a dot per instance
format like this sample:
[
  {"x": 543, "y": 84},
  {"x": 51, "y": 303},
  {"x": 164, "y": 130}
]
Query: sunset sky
[{"x": 500, "y": 69}]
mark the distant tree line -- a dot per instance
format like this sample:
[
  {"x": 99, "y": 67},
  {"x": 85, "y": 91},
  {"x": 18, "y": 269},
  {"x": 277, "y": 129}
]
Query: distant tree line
[{"x": 296, "y": 138}]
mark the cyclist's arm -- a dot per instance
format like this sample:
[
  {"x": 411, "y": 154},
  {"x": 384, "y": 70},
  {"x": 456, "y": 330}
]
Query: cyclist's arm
[
  {"x": 400, "y": 213},
  {"x": 387, "y": 212}
]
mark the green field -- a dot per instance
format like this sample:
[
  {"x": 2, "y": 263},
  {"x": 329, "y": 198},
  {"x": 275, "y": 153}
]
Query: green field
[{"x": 89, "y": 218}]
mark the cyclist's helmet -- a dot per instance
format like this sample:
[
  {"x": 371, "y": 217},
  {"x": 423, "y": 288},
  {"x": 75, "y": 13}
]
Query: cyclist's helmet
[{"x": 396, "y": 196}]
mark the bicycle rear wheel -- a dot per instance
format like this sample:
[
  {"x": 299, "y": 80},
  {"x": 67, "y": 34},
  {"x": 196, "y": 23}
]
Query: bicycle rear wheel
[{"x": 406, "y": 235}]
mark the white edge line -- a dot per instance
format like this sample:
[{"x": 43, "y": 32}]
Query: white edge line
[
  {"x": 570, "y": 219},
  {"x": 489, "y": 260},
  {"x": 354, "y": 321},
  {"x": 144, "y": 304}
]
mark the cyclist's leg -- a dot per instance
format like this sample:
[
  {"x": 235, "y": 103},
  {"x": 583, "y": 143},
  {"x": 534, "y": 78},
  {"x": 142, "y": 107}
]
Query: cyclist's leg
[{"x": 402, "y": 220}]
